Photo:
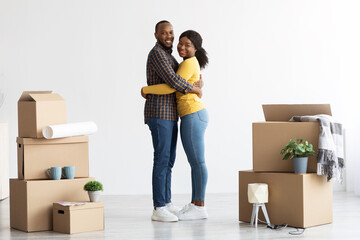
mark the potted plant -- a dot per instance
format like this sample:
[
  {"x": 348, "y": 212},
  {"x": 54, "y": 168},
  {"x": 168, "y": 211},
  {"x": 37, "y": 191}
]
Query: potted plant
[
  {"x": 298, "y": 150},
  {"x": 94, "y": 189}
]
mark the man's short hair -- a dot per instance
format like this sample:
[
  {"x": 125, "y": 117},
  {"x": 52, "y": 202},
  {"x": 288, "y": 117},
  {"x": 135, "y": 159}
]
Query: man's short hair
[{"x": 157, "y": 25}]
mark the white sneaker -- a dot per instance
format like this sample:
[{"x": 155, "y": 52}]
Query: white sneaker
[
  {"x": 186, "y": 207},
  {"x": 192, "y": 212},
  {"x": 162, "y": 214},
  {"x": 172, "y": 208}
]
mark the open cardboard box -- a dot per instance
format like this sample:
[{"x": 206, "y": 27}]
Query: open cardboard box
[
  {"x": 77, "y": 219},
  {"x": 37, "y": 109},
  {"x": 271, "y": 136},
  {"x": 31, "y": 202},
  {"x": 35, "y": 156},
  {"x": 299, "y": 200}
]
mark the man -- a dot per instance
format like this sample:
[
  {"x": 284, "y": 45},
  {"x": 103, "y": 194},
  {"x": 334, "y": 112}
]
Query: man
[{"x": 161, "y": 117}]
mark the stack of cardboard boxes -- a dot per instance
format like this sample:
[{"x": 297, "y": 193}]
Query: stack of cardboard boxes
[
  {"x": 32, "y": 195},
  {"x": 4, "y": 160},
  {"x": 299, "y": 200}
]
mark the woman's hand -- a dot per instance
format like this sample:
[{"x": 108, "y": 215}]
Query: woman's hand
[{"x": 142, "y": 93}]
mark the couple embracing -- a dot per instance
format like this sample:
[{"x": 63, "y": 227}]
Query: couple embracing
[{"x": 176, "y": 89}]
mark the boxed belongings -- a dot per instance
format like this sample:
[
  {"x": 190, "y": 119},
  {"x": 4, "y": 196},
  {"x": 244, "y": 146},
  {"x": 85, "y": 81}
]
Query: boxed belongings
[
  {"x": 299, "y": 200},
  {"x": 37, "y": 109},
  {"x": 4, "y": 160},
  {"x": 35, "y": 156},
  {"x": 271, "y": 136},
  {"x": 79, "y": 218},
  {"x": 31, "y": 202}
]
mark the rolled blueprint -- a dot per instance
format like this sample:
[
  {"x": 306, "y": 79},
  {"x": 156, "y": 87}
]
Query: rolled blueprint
[{"x": 69, "y": 130}]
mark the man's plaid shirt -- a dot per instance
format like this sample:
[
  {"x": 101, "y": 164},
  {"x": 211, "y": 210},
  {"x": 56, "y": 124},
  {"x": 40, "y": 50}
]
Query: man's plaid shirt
[{"x": 161, "y": 68}]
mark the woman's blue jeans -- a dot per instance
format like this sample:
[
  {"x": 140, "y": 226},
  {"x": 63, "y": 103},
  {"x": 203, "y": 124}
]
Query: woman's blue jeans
[
  {"x": 164, "y": 137},
  {"x": 192, "y": 131}
]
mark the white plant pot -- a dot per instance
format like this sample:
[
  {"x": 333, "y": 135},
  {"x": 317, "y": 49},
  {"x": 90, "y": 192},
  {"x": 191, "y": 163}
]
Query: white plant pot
[{"x": 94, "y": 196}]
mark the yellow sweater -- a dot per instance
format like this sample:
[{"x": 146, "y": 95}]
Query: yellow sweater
[{"x": 189, "y": 103}]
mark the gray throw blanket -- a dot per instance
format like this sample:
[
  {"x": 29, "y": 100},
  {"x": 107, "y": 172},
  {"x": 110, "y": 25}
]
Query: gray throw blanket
[{"x": 330, "y": 156}]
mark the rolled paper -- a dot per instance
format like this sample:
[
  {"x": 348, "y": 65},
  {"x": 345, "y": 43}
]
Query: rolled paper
[{"x": 69, "y": 130}]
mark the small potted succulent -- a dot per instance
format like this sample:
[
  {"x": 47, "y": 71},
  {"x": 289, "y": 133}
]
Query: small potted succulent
[
  {"x": 94, "y": 189},
  {"x": 298, "y": 150}
]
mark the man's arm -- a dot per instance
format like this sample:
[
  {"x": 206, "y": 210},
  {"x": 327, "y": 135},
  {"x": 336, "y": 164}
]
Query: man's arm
[{"x": 167, "y": 73}]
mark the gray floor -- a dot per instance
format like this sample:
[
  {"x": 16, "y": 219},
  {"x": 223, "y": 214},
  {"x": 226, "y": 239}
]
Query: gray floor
[{"x": 128, "y": 217}]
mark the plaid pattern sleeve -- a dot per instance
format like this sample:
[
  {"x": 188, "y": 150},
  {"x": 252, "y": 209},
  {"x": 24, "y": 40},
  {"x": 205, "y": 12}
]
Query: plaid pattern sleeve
[{"x": 161, "y": 67}]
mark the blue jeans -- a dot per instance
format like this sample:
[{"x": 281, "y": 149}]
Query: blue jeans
[
  {"x": 192, "y": 131},
  {"x": 164, "y": 137}
]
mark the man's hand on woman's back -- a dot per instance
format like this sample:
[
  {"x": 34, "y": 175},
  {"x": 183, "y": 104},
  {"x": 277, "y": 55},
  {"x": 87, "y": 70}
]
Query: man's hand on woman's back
[
  {"x": 199, "y": 83},
  {"x": 197, "y": 91}
]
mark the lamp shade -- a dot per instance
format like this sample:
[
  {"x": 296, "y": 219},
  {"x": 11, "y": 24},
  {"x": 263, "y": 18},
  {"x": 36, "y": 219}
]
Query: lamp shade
[{"x": 258, "y": 193}]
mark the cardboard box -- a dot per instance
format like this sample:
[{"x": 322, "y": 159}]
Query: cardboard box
[
  {"x": 77, "y": 219},
  {"x": 271, "y": 136},
  {"x": 35, "y": 156},
  {"x": 299, "y": 200},
  {"x": 4, "y": 160},
  {"x": 38, "y": 109},
  {"x": 31, "y": 202}
]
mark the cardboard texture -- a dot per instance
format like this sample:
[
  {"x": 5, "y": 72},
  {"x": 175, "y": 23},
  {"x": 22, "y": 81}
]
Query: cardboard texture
[
  {"x": 31, "y": 202},
  {"x": 284, "y": 112},
  {"x": 37, "y": 109},
  {"x": 299, "y": 200},
  {"x": 4, "y": 160},
  {"x": 77, "y": 219},
  {"x": 271, "y": 136},
  {"x": 37, "y": 155}
]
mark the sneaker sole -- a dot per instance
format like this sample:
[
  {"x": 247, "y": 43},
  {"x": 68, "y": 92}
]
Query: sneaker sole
[
  {"x": 158, "y": 219},
  {"x": 189, "y": 219}
]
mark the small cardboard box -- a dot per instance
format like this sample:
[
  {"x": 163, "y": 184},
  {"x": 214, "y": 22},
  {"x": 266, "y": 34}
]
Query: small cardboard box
[
  {"x": 35, "y": 156},
  {"x": 271, "y": 136},
  {"x": 37, "y": 109},
  {"x": 77, "y": 219},
  {"x": 4, "y": 160},
  {"x": 299, "y": 200},
  {"x": 31, "y": 202}
]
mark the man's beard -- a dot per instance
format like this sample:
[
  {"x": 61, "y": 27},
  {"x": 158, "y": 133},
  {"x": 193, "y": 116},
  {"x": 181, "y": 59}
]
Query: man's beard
[{"x": 165, "y": 47}]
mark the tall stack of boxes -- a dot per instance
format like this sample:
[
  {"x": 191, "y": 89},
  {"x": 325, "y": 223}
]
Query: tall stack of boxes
[
  {"x": 32, "y": 194},
  {"x": 299, "y": 200}
]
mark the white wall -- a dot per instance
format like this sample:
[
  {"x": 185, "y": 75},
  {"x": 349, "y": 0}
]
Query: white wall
[{"x": 93, "y": 53}]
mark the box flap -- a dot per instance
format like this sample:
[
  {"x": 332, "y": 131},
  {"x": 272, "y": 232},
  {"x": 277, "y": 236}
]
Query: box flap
[
  {"x": 25, "y": 96},
  {"x": 46, "y": 97},
  {"x": 43, "y": 141},
  {"x": 79, "y": 207},
  {"x": 283, "y": 112}
]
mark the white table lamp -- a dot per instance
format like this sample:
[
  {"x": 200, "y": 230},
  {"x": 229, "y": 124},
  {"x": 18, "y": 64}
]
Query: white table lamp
[{"x": 258, "y": 195}]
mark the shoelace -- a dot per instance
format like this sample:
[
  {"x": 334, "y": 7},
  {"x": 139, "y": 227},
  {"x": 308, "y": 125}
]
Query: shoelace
[{"x": 185, "y": 208}]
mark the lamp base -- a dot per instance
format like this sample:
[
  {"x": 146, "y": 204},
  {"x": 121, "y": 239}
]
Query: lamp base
[{"x": 255, "y": 213}]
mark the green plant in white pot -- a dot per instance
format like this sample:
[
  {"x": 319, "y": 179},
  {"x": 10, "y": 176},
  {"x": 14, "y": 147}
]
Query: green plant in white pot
[
  {"x": 298, "y": 150},
  {"x": 94, "y": 189}
]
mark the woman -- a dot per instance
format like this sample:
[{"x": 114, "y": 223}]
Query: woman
[{"x": 194, "y": 120}]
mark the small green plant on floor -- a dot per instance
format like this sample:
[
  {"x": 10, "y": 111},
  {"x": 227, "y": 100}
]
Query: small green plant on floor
[
  {"x": 93, "y": 186},
  {"x": 297, "y": 148}
]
